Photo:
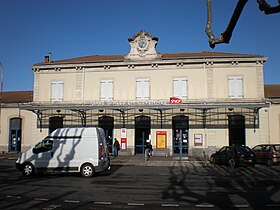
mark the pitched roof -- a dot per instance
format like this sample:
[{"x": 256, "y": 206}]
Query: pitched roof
[
  {"x": 191, "y": 55},
  {"x": 208, "y": 54},
  {"x": 16, "y": 97},
  {"x": 272, "y": 91}
]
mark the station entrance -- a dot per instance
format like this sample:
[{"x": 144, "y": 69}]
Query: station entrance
[
  {"x": 107, "y": 123},
  {"x": 15, "y": 135},
  {"x": 180, "y": 128},
  {"x": 142, "y": 132},
  {"x": 236, "y": 128}
]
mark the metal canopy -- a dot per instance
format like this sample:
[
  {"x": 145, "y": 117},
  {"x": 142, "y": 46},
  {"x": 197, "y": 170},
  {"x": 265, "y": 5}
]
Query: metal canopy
[{"x": 128, "y": 106}]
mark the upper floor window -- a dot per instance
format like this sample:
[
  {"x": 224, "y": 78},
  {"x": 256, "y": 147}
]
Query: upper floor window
[
  {"x": 142, "y": 89},
  {"x": 180, "y": 88},
  {"x": 235, "y": 85},
  {"x": 57, "y": 89},
  {"x": 106, "y": 92}
]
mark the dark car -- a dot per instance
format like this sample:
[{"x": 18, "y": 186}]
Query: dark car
[
  {"x": 234, "y": 156},
  {"x": 267, "y": 153}
]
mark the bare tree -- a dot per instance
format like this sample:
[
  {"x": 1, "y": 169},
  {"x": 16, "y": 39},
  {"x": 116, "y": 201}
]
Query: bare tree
[{"x": 226, "y": 35}]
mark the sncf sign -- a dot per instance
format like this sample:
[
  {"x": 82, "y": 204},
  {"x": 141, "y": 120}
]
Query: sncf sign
[{"x": 174, "y": 100}]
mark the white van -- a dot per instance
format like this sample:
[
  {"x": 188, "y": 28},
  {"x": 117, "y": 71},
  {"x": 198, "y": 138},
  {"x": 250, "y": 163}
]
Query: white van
[{"x": 81, "y": 150}]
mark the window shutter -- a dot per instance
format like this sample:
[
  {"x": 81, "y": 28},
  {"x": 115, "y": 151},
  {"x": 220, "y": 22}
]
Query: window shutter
[
  {"x": 102, "y": 90},
  {"x": 106, "y": 87},
  {"x": 110, "y": 89},
  {"x": 57, "y": 89},
  {"x": 239, "y": 87},
  {"x": 138, "y": 89},
  {"x": 146, "y": 89},
  {"x": 180, "y": 88},
  {"x": 142, "y": 89},
  {"x": 235, "y": 87}
]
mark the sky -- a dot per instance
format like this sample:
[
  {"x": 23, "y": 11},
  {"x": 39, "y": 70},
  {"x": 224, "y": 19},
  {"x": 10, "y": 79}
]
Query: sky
[{"x": 30, "y": 29}]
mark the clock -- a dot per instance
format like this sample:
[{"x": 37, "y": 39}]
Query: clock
[{"x": 142, "y": 43}]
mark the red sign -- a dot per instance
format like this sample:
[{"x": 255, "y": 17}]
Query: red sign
[
  {"x": 123, "y": 139},
  {"x": 174, "y": 100}
]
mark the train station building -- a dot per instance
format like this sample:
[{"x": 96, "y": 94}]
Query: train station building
[{"x": 184, "y": 104}]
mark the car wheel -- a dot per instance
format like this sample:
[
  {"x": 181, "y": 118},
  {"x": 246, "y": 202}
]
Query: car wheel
[
  {"x": 87, "y": 170},
  {"x": 212, "y": 160},
  {"x": 28, "y": 169},
  {"x": 269, "y": 162},
  {"x": 232, "y": 163}
]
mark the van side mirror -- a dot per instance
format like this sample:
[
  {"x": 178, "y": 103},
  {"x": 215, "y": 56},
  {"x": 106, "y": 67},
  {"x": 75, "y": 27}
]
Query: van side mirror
[{"x": 35, "y": 151}]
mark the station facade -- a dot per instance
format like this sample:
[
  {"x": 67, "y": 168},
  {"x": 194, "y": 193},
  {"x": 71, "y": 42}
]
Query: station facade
[{"x": 184, "y": 104}]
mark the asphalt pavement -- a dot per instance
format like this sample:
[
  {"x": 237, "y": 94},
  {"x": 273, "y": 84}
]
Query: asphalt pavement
[{"x": 139, "y": 160}]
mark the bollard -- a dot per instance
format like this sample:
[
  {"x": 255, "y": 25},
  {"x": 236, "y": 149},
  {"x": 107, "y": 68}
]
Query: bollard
[
  {"x": 146, "y": 155},
  {"x": 205, "y": 158}
]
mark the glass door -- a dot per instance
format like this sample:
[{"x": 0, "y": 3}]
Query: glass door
[
  {"x": 15, "y": 135},
  {"x": 142, "y": 132},
  {"x": 180, "y": 142},
  {"x": 180, "y": 126},
  {"x": 107, "y": 123}
]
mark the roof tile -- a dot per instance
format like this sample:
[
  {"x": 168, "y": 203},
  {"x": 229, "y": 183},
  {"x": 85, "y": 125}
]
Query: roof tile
[{"x": 16, "y": 97}]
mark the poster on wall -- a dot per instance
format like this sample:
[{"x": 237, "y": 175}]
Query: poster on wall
[
  {"x": 161, "y": 139},
  {"x": 123, "y": 138},
  {"x": 198, "y": 140}
]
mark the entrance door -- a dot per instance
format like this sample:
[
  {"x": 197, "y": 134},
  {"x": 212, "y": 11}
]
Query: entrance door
[
  {"x": 236, "y": 126},
  {"x": 54, "y": 123},
  {"x": 180, "y": 126},
  {"x": 142, "y": 132},
  {"x": 107, "y": 123},
  {"x": 15, "y": 135}
]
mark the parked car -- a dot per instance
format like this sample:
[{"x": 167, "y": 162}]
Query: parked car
[
  {"x": 267, "y": 153},
  {"x": 234, "y": 156}
]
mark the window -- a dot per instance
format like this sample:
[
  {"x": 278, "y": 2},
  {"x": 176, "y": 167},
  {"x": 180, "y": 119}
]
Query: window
[
  {"x": 57, "y": 90},
  {"x": 106, "y": 92},
  {"x": 142, "y": 89},
  {"x": 43, "y": 146},
  {"x": 180, "y": 86},
  {"x": 235, "y": 87}
]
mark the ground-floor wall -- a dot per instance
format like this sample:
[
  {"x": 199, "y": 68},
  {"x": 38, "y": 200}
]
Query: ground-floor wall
[
  {"x": 274, "y": 123},
  {"x": 195, "y": 141},
  {"x": 201, "y": 142},
  {"x": 17, "y": 129}
]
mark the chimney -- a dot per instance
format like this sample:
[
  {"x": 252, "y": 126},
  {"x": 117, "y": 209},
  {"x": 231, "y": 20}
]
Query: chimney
[{"x": 48, "y": 58}]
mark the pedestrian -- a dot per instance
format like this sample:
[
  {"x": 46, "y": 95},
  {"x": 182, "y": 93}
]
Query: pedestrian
[
  {"x": 149, "y": 148},
  {"x": 116, "y": 147}
]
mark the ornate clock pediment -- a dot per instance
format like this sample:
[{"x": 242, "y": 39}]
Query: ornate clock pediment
[{"x": 142, "y": 47}]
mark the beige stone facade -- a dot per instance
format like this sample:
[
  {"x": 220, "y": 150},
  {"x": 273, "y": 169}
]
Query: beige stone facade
[{"x": 183, "y": 103}]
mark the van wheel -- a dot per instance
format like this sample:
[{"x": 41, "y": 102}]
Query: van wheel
[
  {"x": 232, "y": 163},
  {"x": 87, "y": 170},
  {"x": 28, "y": 169}
]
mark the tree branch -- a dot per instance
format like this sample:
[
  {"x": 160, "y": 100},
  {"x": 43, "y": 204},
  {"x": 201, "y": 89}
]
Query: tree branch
[
  {"x": 264, "y": 6},
  {"x": 226, "y": 35}
]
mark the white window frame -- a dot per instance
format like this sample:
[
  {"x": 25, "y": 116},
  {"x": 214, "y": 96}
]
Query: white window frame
[
  {"x": 235, "y": 87},
  {"x": 107, "y": 89},
  {"x": 57, "y": 90},
  {"x": 180, "y": 88},
  {"x": 143, "y": 89}
]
